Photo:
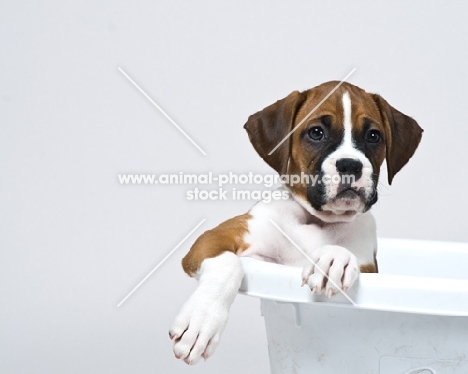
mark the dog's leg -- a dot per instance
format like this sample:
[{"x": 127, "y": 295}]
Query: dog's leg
[
  {"x": 213, "y": 260},
  {"x": 198, "y": 327}
]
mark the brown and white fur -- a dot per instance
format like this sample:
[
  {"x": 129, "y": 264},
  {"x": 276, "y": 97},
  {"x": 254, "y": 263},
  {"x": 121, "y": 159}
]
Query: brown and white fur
[{"x": 352, "y": 132}]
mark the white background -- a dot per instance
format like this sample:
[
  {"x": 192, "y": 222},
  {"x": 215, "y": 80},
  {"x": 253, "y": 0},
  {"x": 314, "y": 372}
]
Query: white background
[{"x": 74, "y": 242}]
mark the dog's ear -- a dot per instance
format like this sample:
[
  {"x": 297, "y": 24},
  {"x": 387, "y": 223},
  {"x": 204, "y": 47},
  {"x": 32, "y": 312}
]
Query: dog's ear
[
  {"x": 402, "y": 136},
  {"x": 267, "y": 128}
]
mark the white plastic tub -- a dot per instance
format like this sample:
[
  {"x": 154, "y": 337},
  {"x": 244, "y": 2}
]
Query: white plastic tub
[{"x": 412, "y": 317}]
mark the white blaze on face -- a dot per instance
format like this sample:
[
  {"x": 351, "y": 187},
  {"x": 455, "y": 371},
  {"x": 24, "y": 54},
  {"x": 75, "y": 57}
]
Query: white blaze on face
[
  {"x": 346, "y": 149},
  {"x": 347, "y": 123}
]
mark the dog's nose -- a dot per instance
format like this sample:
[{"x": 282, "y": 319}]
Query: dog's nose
[{"x": 349, "y": 166}]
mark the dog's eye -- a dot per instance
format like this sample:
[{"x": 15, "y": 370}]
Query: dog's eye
[
  {"x": 373, "y": 136},
  {"x": 316, "y": 133}
]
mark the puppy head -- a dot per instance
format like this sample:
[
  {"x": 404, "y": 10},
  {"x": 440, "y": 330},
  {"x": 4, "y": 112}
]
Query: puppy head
[{"x": 332, "y": 159}]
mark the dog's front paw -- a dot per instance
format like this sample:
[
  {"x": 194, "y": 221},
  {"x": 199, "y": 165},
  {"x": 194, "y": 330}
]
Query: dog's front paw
[
  {"x": 197, "y": 329},
  {"x": 333, "y": 268}
]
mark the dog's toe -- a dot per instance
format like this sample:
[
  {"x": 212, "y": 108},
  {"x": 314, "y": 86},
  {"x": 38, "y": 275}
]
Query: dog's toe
[
  {"x": 196, "y": 331},
  {"x": 334, "y": 269}
]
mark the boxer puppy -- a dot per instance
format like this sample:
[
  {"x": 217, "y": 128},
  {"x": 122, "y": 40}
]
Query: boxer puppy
[{"x": 340, "y": 145}]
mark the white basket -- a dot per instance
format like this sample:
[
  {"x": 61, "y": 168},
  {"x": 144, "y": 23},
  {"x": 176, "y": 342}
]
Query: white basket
[{"x": 412, "y": 317}]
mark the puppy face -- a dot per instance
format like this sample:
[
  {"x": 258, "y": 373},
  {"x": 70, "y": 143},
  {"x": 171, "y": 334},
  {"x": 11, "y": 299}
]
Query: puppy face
[{"x": 339, "y": 144}]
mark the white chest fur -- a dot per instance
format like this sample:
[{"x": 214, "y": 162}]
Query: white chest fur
[{"x": 266, "y": 242}]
